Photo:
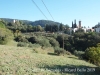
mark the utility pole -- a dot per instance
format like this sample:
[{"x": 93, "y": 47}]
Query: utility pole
[
  {"x": 63, "y": 41},
  {"x": 63, "y": 37}
]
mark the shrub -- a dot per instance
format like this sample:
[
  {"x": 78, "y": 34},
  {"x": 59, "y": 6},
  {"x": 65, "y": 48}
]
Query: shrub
[
  {"x": 21, "y": 39},
  {"x": 33, "y": 45},
  {"x": 53, "y": 42},
  {"x": 22, "y": 44},
  {"x": 3, "y": 40},
  {"x": 30, "y": 44},
  {"x": 5, "y": 35},
  {"x": 79, "y": 53},
  {"x": 36, "y": 45},
  {"x": 93, "y": 55},
  {"x": 58, "y": 51},
  {"x": 44, "y": 42},
  {"x": 33, "y": 39},
  {"x": 68, "y": 53},
  {"x": 2, "y": 24},
  {"x": 55, "y": 36}
]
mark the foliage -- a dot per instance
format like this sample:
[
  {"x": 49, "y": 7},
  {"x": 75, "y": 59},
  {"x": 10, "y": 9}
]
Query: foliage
[
  {"x": 59, "y": 50},
  {"x": 44, "y": 42},
  {"x": 22, "y": 44},
  {"x": 61, "y": 27},
  {"x": 62, "y": 38},
  {"x": 33, "y": 45},
  {"x": 5, "y": 35},
  {"x": 33, "y": 39},
  {"x": 2, "y": 24},
  {"x": 84, "y": 40},
  {"x": 79, "y": 53},
  {"x": 21, "y": 39},
  {"x": 79, "y": 30},
  {"x": 51, "y": 28},
  {"x": 53, "y": 42},
  {"x": 30, "y": 45},
  {"x": 39, "y": 28},
  {"x": 93, "y": 55},
  {"x": 3, "y": 40}
]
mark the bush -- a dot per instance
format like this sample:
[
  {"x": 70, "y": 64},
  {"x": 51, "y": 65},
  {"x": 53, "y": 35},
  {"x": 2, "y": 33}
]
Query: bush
[
  {"x": 55, "y": 36},
  {"x": 44, "y": 42},
  {"x": 21, "y": 39},
  {"x": 22, "y": 44},
  {"x": 3, "y": 40},
  {"x": 33, "y": 39},
  {"x": 93, "y": 55},
  {"x": 30, "y": 45},
  {"x": 58, "y": 51},
  {"x": 2, "y": 24},
  {"x": 5, "y": 36},
  {"x": 68, "y": 53},
  {"x": 36, "y": 45},
  {"x": 79, "y": 53},
  {"x": 53, "y": 42}
]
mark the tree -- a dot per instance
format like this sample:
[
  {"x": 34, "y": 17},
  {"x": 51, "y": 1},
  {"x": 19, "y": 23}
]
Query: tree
[
  {"x": 66, "y": 29},
  {"x": 53, "y": 42},
  {"x": 2, "y": 25},
  {"x": 46, "y": 27},
  {"x": 29, "y": 28},
  {"x": 54, "y": 28},
  {"x": 93, "y": 54},
  {"x": 39, "y": 28},
  {"x": 61, "y": 27}
]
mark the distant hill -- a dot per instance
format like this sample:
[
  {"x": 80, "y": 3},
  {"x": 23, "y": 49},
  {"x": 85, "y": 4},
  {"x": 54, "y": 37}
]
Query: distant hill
[
  {"x": 38, "y": 22},
  {"x": 44, "y": 22}
]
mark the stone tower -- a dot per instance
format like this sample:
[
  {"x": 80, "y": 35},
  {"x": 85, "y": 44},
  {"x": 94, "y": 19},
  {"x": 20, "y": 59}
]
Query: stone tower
[
  {"x": 72, "y": 25},
  {"x": 79, "y": 24},
  {"x": 75, "y": 26}
]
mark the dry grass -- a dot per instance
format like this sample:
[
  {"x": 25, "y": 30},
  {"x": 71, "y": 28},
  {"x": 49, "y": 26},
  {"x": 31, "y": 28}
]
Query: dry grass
[{"x": 23, "y": 61}]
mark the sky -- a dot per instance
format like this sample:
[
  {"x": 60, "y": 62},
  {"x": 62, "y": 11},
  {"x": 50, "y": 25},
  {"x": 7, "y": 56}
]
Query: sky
[{"x": 63, "y": 11}]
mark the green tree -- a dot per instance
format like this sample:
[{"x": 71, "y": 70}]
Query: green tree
[
  {"x": 53, "y": 42},
  {"x": 93, "y": 55},
  {"x": 54, "y": 28},
  {"x": 61, "y": 27},
  {"x": 66, "y": 29},
  {"x": 2, "y": 24},
  {"x": 39, "y": 28}
]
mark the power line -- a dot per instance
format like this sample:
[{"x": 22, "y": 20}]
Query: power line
[
  {"x": 47, "y": 9},
  {"x": 39, "y": 9}
]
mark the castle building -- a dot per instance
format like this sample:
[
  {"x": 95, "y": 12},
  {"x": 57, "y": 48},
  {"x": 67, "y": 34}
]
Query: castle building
[
  {"x": 75, "y": 27},
  {"x": 14, "y": 21},
  {"x": 79, "y": 24},
  {"x": 97, "y": 28}
]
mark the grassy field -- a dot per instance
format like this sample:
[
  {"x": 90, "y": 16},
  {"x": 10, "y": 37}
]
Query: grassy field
[{"x": 28, "y": 61}]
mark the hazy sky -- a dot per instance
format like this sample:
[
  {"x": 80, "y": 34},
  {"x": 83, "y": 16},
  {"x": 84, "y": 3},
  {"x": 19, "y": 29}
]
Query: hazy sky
[{"x": 63, "y": 11}]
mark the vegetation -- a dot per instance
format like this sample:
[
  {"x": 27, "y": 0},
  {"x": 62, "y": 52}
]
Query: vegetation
[
  {"x": 47, "y": 40},
  {"x": 93, "y": 54},
  {"x": 22, "y": 60},
  {"x": 5, "y": 34},
  {"x": 53, "y": 42}
]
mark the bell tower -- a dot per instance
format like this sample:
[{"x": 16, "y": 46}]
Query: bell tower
[{"x": 79, "y": 24}]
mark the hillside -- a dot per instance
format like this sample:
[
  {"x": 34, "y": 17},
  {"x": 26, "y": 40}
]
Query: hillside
[
  {"x": 38, "y": 22},
  {"x": 24, "y": 61}
]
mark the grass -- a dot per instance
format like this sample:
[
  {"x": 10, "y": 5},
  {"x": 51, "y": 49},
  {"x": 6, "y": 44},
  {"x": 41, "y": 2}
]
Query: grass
[{"x": 24, "y": 61}]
